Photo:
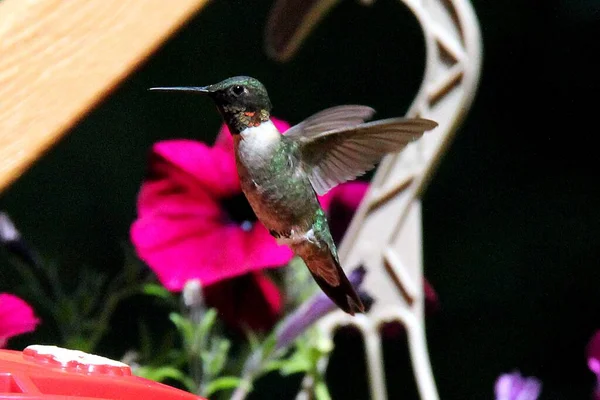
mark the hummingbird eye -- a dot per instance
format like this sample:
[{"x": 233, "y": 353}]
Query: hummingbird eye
[{"x": 238, "y": 89}]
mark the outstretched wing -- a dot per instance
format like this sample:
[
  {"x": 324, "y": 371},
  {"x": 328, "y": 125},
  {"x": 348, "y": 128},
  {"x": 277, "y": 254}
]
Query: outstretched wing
[
  {"x": 329, "y": 120},
  {"x": 336, "y": 146}
]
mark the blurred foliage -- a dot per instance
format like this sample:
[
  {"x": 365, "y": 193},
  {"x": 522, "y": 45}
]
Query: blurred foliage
[{"x": 193, "y": 353}]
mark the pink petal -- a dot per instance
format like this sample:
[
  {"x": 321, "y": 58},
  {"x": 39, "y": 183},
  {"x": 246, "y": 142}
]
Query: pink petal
[
  {"x": 432, "y": 301},
  {"x": 225, "y": 141},
  {"x": 182, "y": 232},
  {"x": 593, "y": 353},
  {"x": 249, "y": 301},
  {"x": 16, "y": 317},
  {"x": 340, "y": 203},
  {"x": 280, "y": 124},
  {"x": 348, "y": 195},
  {"x": 169, "y": 190},
  {"x": 194, "y": 248},
  {"x": 213, "y": 168}
]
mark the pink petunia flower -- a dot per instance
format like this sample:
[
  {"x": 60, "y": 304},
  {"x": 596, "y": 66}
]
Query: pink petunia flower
[
  {"x": 250, "y": 301},
  {"x": 340, "y": 203},
  {"x": 593, "y": 360},
  {"x": 193, "y": 222},
  {"x": 16, "y": 317}
]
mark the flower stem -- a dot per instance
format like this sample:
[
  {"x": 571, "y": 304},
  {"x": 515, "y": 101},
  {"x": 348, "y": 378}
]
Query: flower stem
[
  {"x": 103, "y": 320},
  {"x": 242, "y": 391},
  {"x": 194, "y": 308}
]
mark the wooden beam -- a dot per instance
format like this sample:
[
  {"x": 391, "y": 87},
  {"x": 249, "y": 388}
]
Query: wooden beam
[{"x": 58, "y": 58}]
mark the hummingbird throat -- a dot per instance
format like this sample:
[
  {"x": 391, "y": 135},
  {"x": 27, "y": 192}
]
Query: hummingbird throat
[{"x": 238, "y": 119}]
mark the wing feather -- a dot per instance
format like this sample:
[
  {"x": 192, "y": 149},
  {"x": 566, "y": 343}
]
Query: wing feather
[
  {"x": 329, "y": 120},
  {"x": 348, "y": 148}
]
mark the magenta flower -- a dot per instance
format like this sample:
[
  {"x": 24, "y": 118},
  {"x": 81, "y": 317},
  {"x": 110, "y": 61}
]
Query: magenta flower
[
  {"x": 16, "y": 317},
  {"x": 194, "y": 223},
  {"x": 593, "y": 360},
  {"x": 340, "y": 203},
  {"x": 188, "y": 225},
  {"x": 249, "y": 301},
  {"x": 517, "y": 387}
]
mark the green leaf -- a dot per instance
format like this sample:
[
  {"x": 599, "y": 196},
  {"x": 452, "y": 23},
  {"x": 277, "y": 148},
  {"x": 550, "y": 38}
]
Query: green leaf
[
  {"x": 302, "y": 345},
  {"x": 273, "y": 365},
  {"x": 201, "y": 332},
  {"x": 223, "y": 383},
  {"x": 160, "y": 374},
  {"x": 299, "y": 362},
  {"x": 215, "y": 360},
  {"x": 268, "y": 345},
  {"x": 152, "y": 289},
  {"x": 223, "y": 348},
  {"x": 160, "y": 350},
  {"x": 321, "y": 391},
  {"x": 253, "y": 340},
  {"x": 184, "y": 326},
  {"x": 324, "y": 344},
  {"x": 207, "y": 322}
]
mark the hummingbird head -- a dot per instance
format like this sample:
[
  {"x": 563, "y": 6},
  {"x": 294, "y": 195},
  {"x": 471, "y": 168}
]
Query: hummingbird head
[{"x": 242, "y": 101}]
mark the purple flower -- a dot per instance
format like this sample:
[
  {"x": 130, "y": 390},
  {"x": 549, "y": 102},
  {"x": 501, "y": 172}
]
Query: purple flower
[
  {"x": 11, "y": 239},
  {"x": 514, "y": 386}
]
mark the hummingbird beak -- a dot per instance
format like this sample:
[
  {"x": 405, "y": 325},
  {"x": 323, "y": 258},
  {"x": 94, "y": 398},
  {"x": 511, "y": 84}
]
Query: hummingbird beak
[{"x": 197, "y": 89}]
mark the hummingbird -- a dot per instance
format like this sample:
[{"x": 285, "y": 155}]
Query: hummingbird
[{"x": 282, "y": 174}]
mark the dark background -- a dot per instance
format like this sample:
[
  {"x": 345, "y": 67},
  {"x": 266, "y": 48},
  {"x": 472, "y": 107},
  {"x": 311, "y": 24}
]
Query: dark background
[{"x": 511, "y": 219}]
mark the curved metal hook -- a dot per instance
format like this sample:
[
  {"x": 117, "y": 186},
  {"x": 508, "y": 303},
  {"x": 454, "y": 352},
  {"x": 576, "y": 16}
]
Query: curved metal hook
[{"x": 385, "y": 234}]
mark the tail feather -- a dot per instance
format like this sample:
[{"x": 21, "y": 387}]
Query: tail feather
[
  {"x": 329, "y": 275},
  {"x": 343, "y": 295}
]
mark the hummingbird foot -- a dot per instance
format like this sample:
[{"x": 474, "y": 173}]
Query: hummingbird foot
[{"x": 294, "y": 237}]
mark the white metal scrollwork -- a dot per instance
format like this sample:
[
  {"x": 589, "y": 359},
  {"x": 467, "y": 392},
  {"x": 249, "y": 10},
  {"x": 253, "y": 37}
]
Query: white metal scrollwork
[{"x": 385, "y": 235}]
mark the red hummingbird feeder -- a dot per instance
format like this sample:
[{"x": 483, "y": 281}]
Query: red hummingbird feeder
[{"x": 54, "y": 373}]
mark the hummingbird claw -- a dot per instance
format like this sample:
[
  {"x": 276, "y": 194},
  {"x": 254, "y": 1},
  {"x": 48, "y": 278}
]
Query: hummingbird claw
[
  {"x": 295, "y": 237},
  {"x": 310, "y": 236}
]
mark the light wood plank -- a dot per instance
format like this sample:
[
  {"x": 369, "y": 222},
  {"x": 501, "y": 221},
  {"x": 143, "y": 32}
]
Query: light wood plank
[{"x": 60, "y": 57}]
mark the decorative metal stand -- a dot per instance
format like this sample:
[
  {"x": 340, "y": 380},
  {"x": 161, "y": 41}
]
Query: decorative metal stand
[{"x": 385, "y": 234}]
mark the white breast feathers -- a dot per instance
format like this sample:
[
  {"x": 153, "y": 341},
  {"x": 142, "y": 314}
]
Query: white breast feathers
[{"x": 259, "y": 141}]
